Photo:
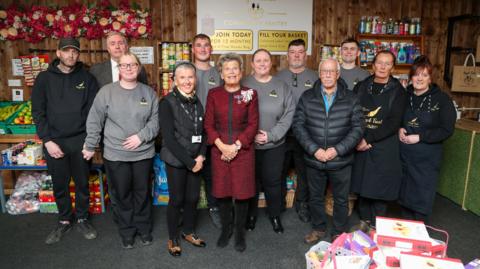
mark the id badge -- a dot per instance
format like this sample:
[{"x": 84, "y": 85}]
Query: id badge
[{"x": 196, "y": 139}]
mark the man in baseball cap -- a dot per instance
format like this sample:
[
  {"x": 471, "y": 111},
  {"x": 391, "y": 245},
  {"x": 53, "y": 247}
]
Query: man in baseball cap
[{"x": 61, "y": 98}]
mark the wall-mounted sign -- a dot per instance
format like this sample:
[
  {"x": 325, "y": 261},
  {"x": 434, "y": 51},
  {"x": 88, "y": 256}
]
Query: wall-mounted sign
[{"x": 272, "y": 24}]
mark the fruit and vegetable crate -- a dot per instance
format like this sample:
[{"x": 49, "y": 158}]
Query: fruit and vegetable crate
[
  {"x": 21, "y": 122},
  {"x": 7, "y": 112}
]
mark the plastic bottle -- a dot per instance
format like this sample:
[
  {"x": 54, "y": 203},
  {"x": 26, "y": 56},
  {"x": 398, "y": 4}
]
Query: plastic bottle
[
  {"x": 361, "y": 26},
  {"x": 401, "y": 28},
  {"x": 374, "y": 25},
  {"x": 379, "y": 26},
  {"x": 368, "y": 25},
  {"x": 413, "y": 27},
  {"x": 419, "y": 27},
  {"x": 406, "y": 25},
  {"x": 402, "y": 57},
  {"x": 384, "y": 27}
]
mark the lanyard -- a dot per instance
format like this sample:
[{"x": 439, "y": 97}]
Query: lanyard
[
  {"x": 192, "y": 118},
  {"x": 421, "y": 103}
]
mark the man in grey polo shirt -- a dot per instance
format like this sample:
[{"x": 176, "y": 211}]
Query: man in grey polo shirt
[
  {"x": 349, "y": 72},
  {"x": 298, "y": 78},
  {"x": 207, "y": 78}
]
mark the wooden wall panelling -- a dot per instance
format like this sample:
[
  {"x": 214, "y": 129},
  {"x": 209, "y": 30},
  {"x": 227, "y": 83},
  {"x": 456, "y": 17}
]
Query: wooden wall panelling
[{"x": 174, "y": 20}]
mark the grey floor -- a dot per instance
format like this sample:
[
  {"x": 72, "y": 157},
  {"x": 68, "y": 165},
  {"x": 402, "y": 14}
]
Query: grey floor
[{"x": 21, "y": 243}]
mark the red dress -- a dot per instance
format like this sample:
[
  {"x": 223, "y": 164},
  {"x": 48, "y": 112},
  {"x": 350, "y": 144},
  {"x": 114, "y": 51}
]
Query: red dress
[{"x": 232, "y": 116}]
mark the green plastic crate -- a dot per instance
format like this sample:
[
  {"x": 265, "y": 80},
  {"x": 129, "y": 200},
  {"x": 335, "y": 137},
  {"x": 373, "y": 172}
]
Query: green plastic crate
[
  {"x": 20, "y": 128},
  {"x": 4, "y": 124}
]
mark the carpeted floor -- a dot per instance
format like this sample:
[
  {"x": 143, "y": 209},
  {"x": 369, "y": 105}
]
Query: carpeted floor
[{"x": 22, "y": 244}]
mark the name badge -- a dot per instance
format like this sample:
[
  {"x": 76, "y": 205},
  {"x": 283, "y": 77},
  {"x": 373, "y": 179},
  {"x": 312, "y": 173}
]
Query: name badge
[
  {"x": 143, "y": 102},
  {"x": 196, "y": 139},
  {"x": 273, "y": 94},
  {"x": 211, "y": 81},
  {"x": 308, "y": 84}
]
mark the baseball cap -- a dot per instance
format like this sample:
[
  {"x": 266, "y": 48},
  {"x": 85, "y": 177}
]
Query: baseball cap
[{"x": 69, "y": 43}]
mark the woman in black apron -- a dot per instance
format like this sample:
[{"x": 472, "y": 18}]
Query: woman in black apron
[
  {"x": 429, "y": 119},
  {"x": 377, "y": 170}
]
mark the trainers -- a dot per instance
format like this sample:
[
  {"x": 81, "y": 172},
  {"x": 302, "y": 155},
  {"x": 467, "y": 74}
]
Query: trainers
[
  {"x": 215, "y": 217},
  {"x": 127, "y": 243},
  {"x": 58, "y": 232},
  {"x": 86, "y": 228},
  {"x": 146, "y": 239},
  {"x": 314, "y": 236}
]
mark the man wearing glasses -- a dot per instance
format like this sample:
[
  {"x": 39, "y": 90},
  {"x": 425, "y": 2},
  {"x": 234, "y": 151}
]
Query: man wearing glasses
[
  {"x": 107, "y": 71},
  {"x": 350, "y": 73},
  {"x": 334, "y": 128},
  {"x": 298, "y": 78},
  {"x": 61, "y": 99}
]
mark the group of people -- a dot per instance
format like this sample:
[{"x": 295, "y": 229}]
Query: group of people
[{"x": 360, "y": 133}]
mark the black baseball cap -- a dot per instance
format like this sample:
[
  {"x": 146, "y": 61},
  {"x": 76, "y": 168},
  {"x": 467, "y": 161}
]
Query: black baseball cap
[{"x": 69, "y": 42}]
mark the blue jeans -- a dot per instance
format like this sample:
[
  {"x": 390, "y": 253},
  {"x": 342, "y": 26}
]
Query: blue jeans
[{"x": 317, "y": 183}]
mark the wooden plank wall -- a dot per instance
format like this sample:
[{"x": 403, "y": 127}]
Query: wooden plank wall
[{"x": 333, "y": 21}]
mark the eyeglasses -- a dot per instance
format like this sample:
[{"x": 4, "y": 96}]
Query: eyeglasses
[
  {"x": 126, "y": 66},
  {"x": 294, "y": 80}
]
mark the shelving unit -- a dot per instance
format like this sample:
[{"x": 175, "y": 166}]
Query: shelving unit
[
  {"x": 403, "y": 68},
  {"x": 168, "y": 53}
]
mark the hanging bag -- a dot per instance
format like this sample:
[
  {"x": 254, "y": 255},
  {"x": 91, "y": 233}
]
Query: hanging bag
[{"x": 466, "y": 78}]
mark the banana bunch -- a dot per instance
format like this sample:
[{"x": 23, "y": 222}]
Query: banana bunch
[{"x": 7, "y": 111}]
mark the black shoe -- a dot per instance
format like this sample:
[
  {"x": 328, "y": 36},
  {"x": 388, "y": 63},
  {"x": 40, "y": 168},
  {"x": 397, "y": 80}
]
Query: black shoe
[
  {"x": 127, "y": 243},
  {"x": 250, "y": 224},
  {"x": 240, "y": 244},
  {"x": 146, "y": 239},
  {"x": 58, "y": 232},
  {"x": 303, "y": 212},
  {"x": 86, "y": 228},
  {"x": 225, "y": 237},
  {"x": 215, "y": 217},
  {"x": 276, "y": 224}
]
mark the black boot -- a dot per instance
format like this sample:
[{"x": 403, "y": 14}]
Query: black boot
[
  {"x": 241, "y": 211},
  {"x": 276, "y": 224},
  {"x": 226, "y": 220}
]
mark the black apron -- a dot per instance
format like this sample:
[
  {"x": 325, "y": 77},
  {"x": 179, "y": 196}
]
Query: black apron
[
  {"x": 377, "y": 172},
  {"x": 421, "y": 164}
]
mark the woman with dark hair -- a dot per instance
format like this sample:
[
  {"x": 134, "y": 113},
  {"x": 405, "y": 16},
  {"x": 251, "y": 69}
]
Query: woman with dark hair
[
  {"x": 377, "y": 170},
  {"x": 231, "y": 123},
  {"x": 429, "y": 119},
  {"x": 276, "y": 109},
  {"x": 183, "y": 150}
]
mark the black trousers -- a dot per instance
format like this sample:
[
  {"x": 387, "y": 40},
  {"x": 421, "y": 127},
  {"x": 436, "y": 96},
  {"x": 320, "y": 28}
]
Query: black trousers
[
  {"x": 408, "y": 213},
  {"x": 71, "y": 165},
  {"x": 268, "y": 172},
  {"x": 131, "y": 182},
  {"x": 369, "y": 209},
  {"x": 340, "y": 182},
  {"x": 294, "y": 152},
  {"x": 206, "y": 173},
  {"x": 184, "y": 191}
]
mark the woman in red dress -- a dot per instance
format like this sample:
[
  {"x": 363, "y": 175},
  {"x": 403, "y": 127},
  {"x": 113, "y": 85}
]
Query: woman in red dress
[{"x": 231, "y": 123}]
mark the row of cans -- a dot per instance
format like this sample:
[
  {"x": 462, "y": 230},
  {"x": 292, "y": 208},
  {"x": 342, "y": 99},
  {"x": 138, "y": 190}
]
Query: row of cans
[{"x": 173, "y": 53}]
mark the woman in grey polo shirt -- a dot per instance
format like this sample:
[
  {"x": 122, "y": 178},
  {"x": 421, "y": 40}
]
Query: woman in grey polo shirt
[{"x": 276, "y": 109}]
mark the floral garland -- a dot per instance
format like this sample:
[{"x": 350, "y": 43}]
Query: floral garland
[{"x": 92, "y": 22}]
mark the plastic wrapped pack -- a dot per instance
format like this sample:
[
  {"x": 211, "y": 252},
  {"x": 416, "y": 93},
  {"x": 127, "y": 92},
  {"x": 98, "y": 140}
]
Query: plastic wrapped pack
[{"x": 24, "y": 198}]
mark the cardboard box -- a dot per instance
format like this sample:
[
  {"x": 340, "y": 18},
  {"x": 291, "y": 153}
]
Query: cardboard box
[
  {"x": 417, "y": 261},
  {"x": 406, "y": 234}
]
